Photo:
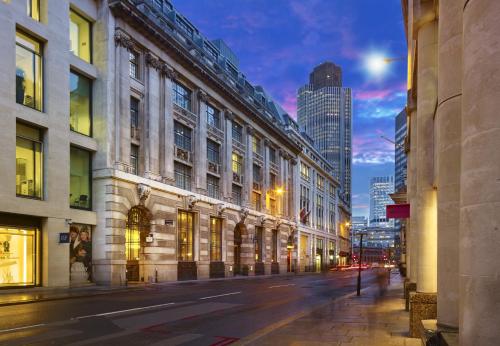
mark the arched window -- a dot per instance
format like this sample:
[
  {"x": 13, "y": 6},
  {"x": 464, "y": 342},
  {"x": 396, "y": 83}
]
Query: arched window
[{"x": 138, "y": 227}]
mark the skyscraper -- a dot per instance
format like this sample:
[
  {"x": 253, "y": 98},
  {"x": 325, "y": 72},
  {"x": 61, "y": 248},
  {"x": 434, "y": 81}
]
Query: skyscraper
[
  {"x": 380, "y": 188},
  {"x": 399, "y": 151},
  {"x": 324, "y": 112}
]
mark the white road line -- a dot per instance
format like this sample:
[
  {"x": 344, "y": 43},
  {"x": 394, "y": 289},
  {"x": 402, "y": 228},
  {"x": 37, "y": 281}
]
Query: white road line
[
  {"x": 123, "y": 311},
  {"x": 281, "y": 286},
  {"x": 220, "y": 295},
  {"x": 21, "y": 328}
]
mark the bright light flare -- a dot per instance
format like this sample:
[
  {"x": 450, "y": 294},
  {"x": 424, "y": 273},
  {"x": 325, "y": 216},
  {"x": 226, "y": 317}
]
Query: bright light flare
[{"x": 376, "y": 64}]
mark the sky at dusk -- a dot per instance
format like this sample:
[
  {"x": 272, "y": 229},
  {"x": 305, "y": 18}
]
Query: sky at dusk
[{"x": 278, "y": 42}]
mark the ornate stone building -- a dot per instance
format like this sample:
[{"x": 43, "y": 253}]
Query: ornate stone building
[{"x": 453, "y": 167}]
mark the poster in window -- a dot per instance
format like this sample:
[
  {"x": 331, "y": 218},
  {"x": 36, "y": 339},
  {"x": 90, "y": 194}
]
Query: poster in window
[{"x": 80, "y": 253}]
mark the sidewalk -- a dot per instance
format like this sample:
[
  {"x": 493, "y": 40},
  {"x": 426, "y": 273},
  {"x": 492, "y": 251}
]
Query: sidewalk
[{"x": 366, "y": 320}]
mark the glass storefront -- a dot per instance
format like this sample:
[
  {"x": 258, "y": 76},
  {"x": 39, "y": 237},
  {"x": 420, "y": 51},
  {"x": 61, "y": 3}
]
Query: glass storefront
[{"x": 19, "y": 251}]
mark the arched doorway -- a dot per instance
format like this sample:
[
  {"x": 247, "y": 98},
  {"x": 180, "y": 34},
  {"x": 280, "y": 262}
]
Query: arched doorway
[
  {"x": 239, "y": 230},
  {"x": 138, "y": 227}
]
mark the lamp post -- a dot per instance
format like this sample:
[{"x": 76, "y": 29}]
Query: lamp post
[{"x": 361, "y": 234}]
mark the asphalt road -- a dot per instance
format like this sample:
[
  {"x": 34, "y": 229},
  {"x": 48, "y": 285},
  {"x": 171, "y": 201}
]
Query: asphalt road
[{"x": 191, "y": 313}]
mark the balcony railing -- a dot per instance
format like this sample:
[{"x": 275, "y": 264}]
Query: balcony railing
[
  {"x": 188, "y": 116},
  {"x": 238, "y": 145},
  {"x": 216, "y": 132},
  {"x": 182, "y": 154},
  {"x": 237, "y": 178},
  {"x": 213, "y": 167},
  {"x": 258, "y": 156}
]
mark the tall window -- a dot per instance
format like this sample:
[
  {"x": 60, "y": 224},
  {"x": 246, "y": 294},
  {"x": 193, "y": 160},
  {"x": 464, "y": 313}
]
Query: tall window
[
  {"x": 236, "y": 194},
  {"x": 319, "y": 211},
  {"x": 134, "y": 112},
  {"x": 138, "y": 225},
  {"x": 213, "y": 151},
  {"x": 29, "y": 84},
  {"x": 182, "y": 96},
  {"x": 304, "y": 171},
  {"x": 255, "y": 145},
  {"x": 237, "y": 132},
  {"x": 256, "y": 174},
  {"x": 272, "y": 155},
  {"x": 182, "y": 136},
  {"x": 237, "y": 163},
  {"x": 272, "y": 181},
  {"x": 133, "y": 58},
  {"x": 273, "y": 206},
  {"x": 331, "y": 217},
  {"x": 80, "y": 36},
  {"x": 258, "y": 244},
  {"x": 80, "y": 179},
  {"x": 29, "y": 161},
  {"x": 33, "y": 9},
  {"x": 215, "y": 239},
  {"x": 80, "y": 109},
  {"x": 320, "y": 182},
  {"x": 182, "y": 176},
  {"x": 275, "y": 246},
  {"x": 304, "y": 198},
  {"x": 213, "y": 186},
  {"x": 185, "y": 229},
  {"x": 332, "y": 190},
  {"x": 134, "y": 158},
  {"x": 213, "y": 116},
  {"x": 256, "y": 201}
]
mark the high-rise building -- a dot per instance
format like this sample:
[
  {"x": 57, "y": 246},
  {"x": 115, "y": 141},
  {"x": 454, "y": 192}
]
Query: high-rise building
[
  {"x": 380, "y": 188},
  {"x": 359, "y": 223},
  {"x": 324, "y": 112},
  {"x": 399, "y": 152}
]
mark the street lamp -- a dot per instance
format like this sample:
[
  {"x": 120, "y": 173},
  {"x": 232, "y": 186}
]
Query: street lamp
[
  {"x": 361, "y": 234},
  {"x": 377, "y": 64}
]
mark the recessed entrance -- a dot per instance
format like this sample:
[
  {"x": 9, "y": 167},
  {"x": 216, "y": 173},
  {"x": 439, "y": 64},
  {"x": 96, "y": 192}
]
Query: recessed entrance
[{"x": 138, "y": 227}]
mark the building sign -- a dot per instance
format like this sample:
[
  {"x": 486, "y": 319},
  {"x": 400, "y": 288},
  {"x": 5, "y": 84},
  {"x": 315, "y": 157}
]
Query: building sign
[
  {"x": 398, "y": 211},
  {"x": 80, "y": 253},
  {"x": 63, "y": 238}
]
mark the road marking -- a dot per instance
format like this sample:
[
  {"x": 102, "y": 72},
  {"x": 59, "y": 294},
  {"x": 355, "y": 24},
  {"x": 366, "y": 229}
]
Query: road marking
[
  {"x": 123, "y": 311},
  {"x": 220, "y": 295},
  {"x": 21, "y": 328},
  {"x": 281, "y": 286}
]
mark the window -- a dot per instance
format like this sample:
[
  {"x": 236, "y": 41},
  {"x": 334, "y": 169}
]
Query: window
[
  {"x": 255, "y": 145},
  {"x": 319, "y": 211},
  {"x": 29, "y": 161},
  {"x": 256, "y": 201},
  {"x": 213, "y": 151},
  {"x": 272, "y": 181},
  {"x": 304, "y": 197},
  {"x": 33, "y": 9},
  {"x": 80, "y": 109},
  {"x": 80, "y": 36},
  {"x": 258, "y": 244},
  {"x": 273, "y": 206},
  {"x": 185, "y": 229},
  {"x": 80, "y": 179},
  {"x": 304, "y": 171},
  {"x": 182, "y": 96},
  {"x": 134, "y": 112},
  {"x": 182, "y": 176},
  {"x": 236, "y": 194},
  {"x": 331, "y": 217},
  {"x": 332, "y": 190},
  {"x": 29, "y": 82},
  {"x": 237, "y": 163},
  {"x": 256, "y": 174},
  {"x": 237, "y": 132},
  {"x": 320, "y": 182},
  {"x": 184, "y": 27},
  {"x": 133, "y": 58},
  {"x": 272, "y": 155},
  {"x": 182, "y": 136},
  {"x": 134, "y": 158},
  {"x": 275, "y": 246},
  {"x": 213, "y": 117},
  {"x": 213, "y": 186},
  {"x": 215, "y": 239}
]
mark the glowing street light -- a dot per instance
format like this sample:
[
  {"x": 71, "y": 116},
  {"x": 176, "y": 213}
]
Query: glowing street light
[
  {"x": 280, "y": 190},
  {"x": 377, "y": 64}
]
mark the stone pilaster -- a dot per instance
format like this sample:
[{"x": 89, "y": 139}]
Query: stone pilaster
[
  {"x": 412, "y": 244},
  {"x": 227, "y": 150},
  {"x": 200, "y": 164},
  {"x": 265, "y": 177},
  {"x": 152, "y": 121},
  {"x": 248, "y": 162},
  {"x": 167, "y": 165}
]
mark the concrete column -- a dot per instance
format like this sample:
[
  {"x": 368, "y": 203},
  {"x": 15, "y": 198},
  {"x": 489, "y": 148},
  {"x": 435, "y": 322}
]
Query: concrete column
[
  {"x": 200, "y": 164},
  {"x": 248, "y": 163},
  {"x": 227, "y": 150},
  {"x": 167, "y": 166},
  {"x": 152, "y": 121},
  {"x": 448, "y": 125},
  {"x": 56, "y": 266},
  {"x": 480, "y": 175},
  {"x": 412, "y": 247}
]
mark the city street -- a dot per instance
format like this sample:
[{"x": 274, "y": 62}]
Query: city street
[{"x": 194, "y": 313}]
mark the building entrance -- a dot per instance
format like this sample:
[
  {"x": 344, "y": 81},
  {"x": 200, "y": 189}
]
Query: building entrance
[{"x": 138, "y": 227}]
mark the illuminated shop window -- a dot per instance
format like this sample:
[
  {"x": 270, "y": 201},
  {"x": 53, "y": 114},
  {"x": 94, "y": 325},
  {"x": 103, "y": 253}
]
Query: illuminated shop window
[
  {"x": 29, "y": 161},
  {"x": 80, "y": 36},
  {"x": 29, "y": 82},
  {"x": 215, "y": 239},
  {"x": 185, "y": 227}
]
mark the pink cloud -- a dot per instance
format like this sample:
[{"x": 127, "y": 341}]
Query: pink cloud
[
  {"x": 371, "y": 149},
  {"x": 366, "y": 95}
]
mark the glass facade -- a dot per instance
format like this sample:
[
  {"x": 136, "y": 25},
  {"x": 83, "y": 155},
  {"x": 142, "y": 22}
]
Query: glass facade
[
  {"x": 80, "y": 36},
  {"x": 80, "y": 179},
  {"x": 182, "y": 96},
  {"x": 80, "y": 110},
  {"x": 19, "y": 256},
  {"x": 182, "y": 176},
  {"x": 29, "y": 161},
  {"x": 185, "y": 229},
  {"x": 29, "y": 83},
  {"x": 215, "y": 239},
  {"x": 33, "y": 9}
]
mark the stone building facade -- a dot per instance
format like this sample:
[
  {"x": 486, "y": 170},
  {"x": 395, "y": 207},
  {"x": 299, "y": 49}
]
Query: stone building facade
[
  {"x": 453, "y": 166},
  {"x": 176, "y": 167}
]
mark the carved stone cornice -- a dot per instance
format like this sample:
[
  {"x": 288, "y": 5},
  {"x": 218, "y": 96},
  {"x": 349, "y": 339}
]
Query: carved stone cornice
[
  {"x": 293, "y": 161},
  {"x": 153, "y": 61},
  {"x": 250, "y": 130},
  {"x": 228, "y": 114},
  {"x": 202, "y": 96},
  {"x": 121, "y": 39},
  {"x": 168, "y": 72},
  {"x": 266, "y": 142}
]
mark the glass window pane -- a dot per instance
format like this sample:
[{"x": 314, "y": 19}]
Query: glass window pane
[
  {"x": 80, "y": 117},
  {"x": 28, "y": 72},
  {"x": 79, "y": 36},
  {"x": 79, "y": 178},
  {"x": 29, "y": 159},
  {"x": 33, "y": 9},
  {"x": 18, "y": 256}
]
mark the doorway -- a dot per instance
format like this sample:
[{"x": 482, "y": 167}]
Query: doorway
[{"x": 138, "y": 227}]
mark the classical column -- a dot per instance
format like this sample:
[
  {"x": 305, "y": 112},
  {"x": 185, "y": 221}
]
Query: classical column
[
  {"x": 227, "y": 150},
  {"x": 448, "y": 125},
  {"x": 294, "y": 189},
  {"x": 480, "y": 175},
  {"x": 265, "y": 177},
  {"x": 152, "y": 121},
  {"x": 167, "y": 164},
  {"x": 200, "y": 164},
  {"x": 248, "y": 175}
]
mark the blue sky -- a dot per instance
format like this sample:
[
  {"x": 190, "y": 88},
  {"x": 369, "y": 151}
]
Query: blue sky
[{"x": 278, "y": 42}]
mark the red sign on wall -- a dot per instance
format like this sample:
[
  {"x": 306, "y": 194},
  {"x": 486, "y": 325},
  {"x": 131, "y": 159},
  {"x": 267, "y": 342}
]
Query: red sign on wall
[{"x": 397, "y": 211}]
